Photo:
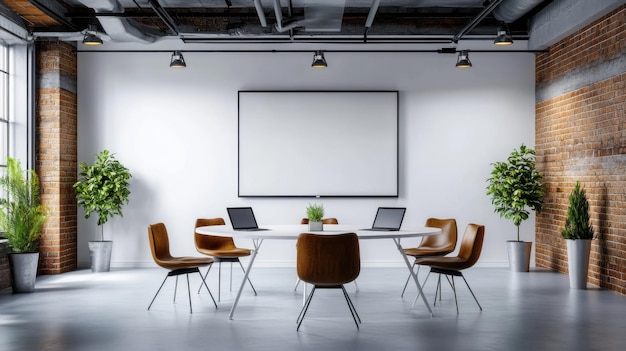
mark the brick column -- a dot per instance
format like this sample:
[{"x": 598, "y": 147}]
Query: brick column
[
  {"x": 56, "y": 153},
  {"x": 580, "y": 124}
]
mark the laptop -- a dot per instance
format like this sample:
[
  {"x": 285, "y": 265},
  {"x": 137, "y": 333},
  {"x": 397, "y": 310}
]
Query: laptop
[
  {"x": 242, "y": 218},
  {"x": 388, "y": 219}
]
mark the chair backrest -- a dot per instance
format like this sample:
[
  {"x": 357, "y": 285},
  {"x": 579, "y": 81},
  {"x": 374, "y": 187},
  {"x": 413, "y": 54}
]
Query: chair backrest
[
  {"x": 471, "y": 244},
  {"x": 159, "y": 242},
  {"x": 328, "y": 259},
  {"x": 444, "y": 242},
  {"x": 212, "y": 242},
  {"x": 330, "y": 220}
]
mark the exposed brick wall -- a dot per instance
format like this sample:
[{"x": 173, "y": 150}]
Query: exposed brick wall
[
  {"x": 56, "y": 149},
  {"x": 581, "y": 136}
]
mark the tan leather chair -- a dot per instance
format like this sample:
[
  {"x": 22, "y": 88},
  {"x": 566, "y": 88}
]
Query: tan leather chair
[
  {"x": 469, "y": 252},
  {"x": 160, "y": 247},
  {"x": 324, "y": 221},
  {"x": 221, "y": 249},
  {"x": 328, "y": 262},
  {"x": 434, "y": 245}
]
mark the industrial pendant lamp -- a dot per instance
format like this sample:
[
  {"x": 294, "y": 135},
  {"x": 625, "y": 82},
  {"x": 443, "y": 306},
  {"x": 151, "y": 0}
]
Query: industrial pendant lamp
[
  {"x": 463, "y": 60},
  {"x": 503, "y": 35},
  {"x": 318, "y": 60},
  {"x": 90, "y": 36},
  {"x": 177, "y": 61}
]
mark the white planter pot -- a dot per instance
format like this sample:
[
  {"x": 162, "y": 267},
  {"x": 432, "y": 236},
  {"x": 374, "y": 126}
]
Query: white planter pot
[
  {"x": 519, "y": 255},
  {"x": 23, "y": 271},
  {"x": 100, "y": 253},
  {"x": 316, "y": 226},
  {"x": 578, "y": 262}
]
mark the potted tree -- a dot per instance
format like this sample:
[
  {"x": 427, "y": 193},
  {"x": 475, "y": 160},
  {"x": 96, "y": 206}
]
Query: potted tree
[
  {"x": 516, "y": 188},
  {"x": 21, "y": 219},
  {"x": 315, "y": 213},
  {"x": 578, "y": 233},
  {"x": 102, "y": 188}
]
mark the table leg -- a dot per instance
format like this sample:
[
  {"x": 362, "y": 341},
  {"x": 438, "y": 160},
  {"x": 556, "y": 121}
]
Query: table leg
[
  {"x": 257, "y": 245},
  {"x": 417, "y": 283}
]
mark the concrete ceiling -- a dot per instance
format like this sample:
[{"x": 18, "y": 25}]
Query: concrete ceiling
[{"x": 278, "y": 20}]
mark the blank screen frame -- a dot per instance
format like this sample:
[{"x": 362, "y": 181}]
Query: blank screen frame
[{"x": 375, "y": 167}]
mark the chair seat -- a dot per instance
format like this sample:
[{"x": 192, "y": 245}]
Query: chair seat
[
  {"x": 452, "y": 263},
  {"x": 425, "y": 251},
  {"x": 184, "y": 262},
  {"x": 225, "y": 253}
]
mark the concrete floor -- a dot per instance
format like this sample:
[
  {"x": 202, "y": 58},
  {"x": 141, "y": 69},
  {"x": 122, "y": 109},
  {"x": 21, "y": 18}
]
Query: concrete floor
[{"x": 107, "y": 311}]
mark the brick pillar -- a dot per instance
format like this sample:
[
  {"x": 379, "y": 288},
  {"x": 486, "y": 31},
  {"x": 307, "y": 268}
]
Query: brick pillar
[
  {"x": 56, "y": 153},
  {"x": 579, "y": 131}
]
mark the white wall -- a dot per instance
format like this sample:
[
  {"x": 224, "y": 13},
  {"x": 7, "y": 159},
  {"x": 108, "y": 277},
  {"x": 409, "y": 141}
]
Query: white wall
[{"x": 176, "y": 130}]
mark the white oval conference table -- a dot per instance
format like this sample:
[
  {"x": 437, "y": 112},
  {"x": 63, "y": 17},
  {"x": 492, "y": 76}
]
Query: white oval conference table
[{"x": 291, "y": 232}]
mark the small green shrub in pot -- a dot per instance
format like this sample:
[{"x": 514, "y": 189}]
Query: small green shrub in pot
[
  {"x": 315, "y": 212},
  {"x": 577, "y": 224}
]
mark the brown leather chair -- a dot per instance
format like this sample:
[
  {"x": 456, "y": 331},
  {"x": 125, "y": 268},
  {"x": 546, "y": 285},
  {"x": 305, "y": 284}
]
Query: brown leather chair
[
  {"x": 160, "y": 247},
  {"x": 469, "y": 252},
  {"x": 328, "y": 262},
  {"x": 434, "y": 245},
  {"x": 221, "y": 249},
  {"x": 324, "y": 221},
  {"x": 330, "y": 220}
]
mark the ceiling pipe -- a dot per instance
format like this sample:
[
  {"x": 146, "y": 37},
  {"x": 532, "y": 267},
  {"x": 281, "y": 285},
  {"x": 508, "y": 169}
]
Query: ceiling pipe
[
  {"x": 484, "y": 13},
  {"x": 259, "y": 11},
  {"x": 510, "y": 11},
  {"x": 372, "y": 13},
  {"x": 288, "y": 25},
  {"x": 164, "y": 16}
]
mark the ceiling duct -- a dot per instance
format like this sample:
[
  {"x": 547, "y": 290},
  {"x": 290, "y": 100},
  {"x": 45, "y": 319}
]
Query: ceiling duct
[
  {"x": 510, "y": 11},
  {"x": 323, "y": 15},
  {"x": 118, "y": 28}
]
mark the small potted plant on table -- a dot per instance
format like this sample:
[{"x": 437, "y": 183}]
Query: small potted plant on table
[
  {"x": 21, "y": 219},
  {"x": 102, "y": 188},
  {"x": 315, "y": 213}
]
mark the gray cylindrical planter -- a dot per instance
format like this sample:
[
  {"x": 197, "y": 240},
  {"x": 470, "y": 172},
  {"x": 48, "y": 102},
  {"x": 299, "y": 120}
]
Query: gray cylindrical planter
[
  {"x": 316, "y": 226},
  {"x": 23, "y": 271},
  {"x": 519, "y": 255},
  {"x": 100, "y": 253},
  {"x": 578, "y": 262}
]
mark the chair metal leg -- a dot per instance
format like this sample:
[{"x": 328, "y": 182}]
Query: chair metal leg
[
  {"x": 356, "y": 286},
  {"x": 204, "y": 278},
  {"x": 409, "y": 278},
  {"x": 295, "y": 287},
  {"x": 175, "y": 288},
  {"x": 207, "y": 288},
  {"x": 219, "y": 281},
  {"x": 230, "y": 287},
  {"x": 456, "y": 301},
  {"x": 157, "y": 293},
  {"x": 189, "y": 293},
  {"x": 355, "y": 315},
  {"x": 305, "y": 308},
  {"x": 470, "y": 289}
]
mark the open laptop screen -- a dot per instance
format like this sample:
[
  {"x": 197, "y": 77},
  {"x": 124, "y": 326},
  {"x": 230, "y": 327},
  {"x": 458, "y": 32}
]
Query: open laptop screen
[
  {"x": 389, "y": 218},
  {"x": 242, "y": 218}
]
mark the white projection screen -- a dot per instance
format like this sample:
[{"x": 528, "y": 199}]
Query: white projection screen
[{"x": 318, "y": 143}]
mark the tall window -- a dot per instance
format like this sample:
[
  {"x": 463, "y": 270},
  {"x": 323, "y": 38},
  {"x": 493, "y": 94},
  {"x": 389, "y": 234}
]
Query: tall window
[{"x": 4, "y": 111}]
